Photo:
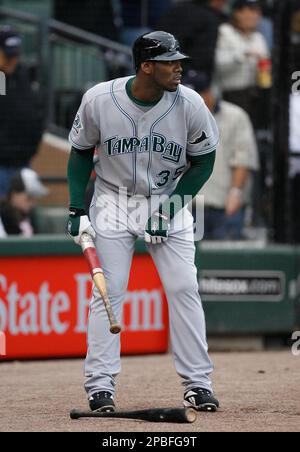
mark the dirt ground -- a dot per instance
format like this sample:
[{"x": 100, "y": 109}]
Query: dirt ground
[{"x": 258, "y": 391}]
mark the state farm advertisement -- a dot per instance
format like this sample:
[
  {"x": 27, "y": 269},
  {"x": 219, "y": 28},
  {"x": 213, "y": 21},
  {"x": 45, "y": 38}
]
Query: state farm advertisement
[{"x": 44, "y": 307}]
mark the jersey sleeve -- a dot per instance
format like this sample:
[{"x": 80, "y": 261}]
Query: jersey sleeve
[
  {"x": 203, "y": 134},
  {"x": 84, "y": 133}
]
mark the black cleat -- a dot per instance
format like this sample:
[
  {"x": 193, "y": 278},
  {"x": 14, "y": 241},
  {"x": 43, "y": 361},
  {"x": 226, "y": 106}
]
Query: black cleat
[
  {"x": 102, "y": 401},
  {"x": 201, "y": 400}
]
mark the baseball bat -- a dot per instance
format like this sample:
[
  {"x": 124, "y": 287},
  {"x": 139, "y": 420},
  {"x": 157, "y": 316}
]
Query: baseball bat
[
  {"x": 90, "y": 254},
  {"x": 177, "y": 415}
]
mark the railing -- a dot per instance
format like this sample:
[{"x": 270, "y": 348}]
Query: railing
[
  {"x": 66, "y": 61},
  {"x": 79, "y": 60}
]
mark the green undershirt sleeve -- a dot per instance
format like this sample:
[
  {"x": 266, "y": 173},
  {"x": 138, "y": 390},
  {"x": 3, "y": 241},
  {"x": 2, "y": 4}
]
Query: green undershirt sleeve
[
  {"x": 80, "y": 166},
  {"x": 190, "y": 183}
]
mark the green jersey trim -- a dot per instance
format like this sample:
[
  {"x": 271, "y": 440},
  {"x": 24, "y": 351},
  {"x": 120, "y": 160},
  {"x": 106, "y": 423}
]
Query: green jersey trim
[
  {"x": 79, "y": 170},
  {"x": 134, "y": 99},
  {"x": 190, "y": 183}
]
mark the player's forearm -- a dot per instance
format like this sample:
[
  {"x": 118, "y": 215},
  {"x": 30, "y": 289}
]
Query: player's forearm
[
  {"x": 79, "y": 171},
  {"x": 191, "y": 182}
]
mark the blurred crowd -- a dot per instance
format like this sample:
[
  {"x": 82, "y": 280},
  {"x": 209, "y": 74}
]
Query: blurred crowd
[
  {"x": 230, "y": 43},
  {"x": 21, "y": 119}
]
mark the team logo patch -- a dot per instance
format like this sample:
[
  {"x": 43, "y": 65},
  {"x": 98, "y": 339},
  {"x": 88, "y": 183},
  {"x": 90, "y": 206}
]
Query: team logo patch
[
  {"x": 200, "y": 139},
  {"x": 77, "y": 124}
]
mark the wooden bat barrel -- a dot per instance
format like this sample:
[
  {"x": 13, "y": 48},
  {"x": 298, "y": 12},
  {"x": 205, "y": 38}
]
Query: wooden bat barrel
[{"x": 176, "y": 415}]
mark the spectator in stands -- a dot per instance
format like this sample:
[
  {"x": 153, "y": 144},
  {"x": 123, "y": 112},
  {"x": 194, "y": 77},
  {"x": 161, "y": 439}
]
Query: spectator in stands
[
  {"x": 241, "y": 51},
  {"x": 16, "y": 208},
  {"x": 94, "y": 16},
  {"x": 196, "y": 24},
  {"x": 21, "y": 122},
  {"x": 228, "y": 190}
]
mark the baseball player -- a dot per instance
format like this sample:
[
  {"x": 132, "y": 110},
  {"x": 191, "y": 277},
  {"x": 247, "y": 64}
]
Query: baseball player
[{"x": 157, "y": 141}]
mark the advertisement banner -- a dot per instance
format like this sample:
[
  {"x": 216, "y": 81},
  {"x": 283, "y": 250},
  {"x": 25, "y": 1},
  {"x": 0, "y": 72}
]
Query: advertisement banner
[{"x": 44, "y": 307}]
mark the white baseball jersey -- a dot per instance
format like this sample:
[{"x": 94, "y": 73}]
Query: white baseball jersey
[{"x": 144, "y": 151}]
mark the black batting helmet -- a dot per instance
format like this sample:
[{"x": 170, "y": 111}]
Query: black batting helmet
[{"x": 156, "y": 46}]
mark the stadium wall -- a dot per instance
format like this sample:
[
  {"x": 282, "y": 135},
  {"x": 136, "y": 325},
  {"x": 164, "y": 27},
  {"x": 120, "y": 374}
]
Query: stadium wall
[{"x": 45, "y": 290}]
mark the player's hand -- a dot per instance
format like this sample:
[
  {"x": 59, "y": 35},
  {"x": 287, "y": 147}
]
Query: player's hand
[
  {"x": 157, "y": 228},
  {"x": 79, "y": 223}
]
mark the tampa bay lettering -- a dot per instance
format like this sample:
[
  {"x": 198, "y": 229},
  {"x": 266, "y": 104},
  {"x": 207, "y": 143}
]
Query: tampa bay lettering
[{"x": 169, "y": 150}]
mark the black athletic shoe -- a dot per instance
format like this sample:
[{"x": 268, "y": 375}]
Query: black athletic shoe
[
  {"x": 200, "y": 399},
  {"x": 102, "y": 401}
]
